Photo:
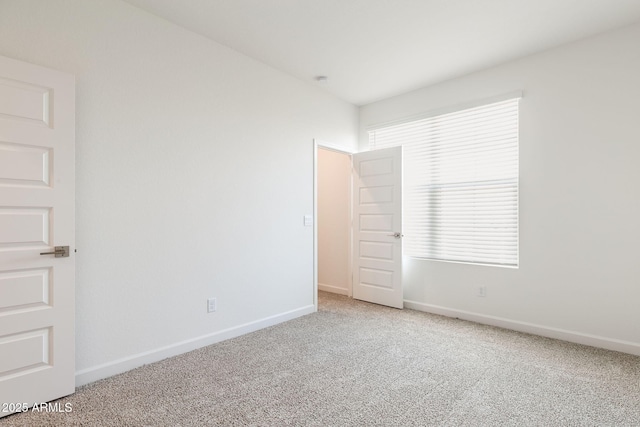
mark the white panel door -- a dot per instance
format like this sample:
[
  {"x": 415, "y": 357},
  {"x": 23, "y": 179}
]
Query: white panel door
[
  {"x": 37, "y": 191},
  {"x": 377, "y": 226}
]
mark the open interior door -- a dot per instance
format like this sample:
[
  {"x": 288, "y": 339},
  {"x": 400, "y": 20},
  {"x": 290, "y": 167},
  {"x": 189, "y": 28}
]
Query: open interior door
[
  {"x": 377, "y": 226},
  {"x": 37, "y": 263}
]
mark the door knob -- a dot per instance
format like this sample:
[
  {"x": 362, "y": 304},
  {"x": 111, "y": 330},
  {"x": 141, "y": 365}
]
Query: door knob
[
  {"x": 59, "y": 252},
  {"x": 396, "y": 235}
]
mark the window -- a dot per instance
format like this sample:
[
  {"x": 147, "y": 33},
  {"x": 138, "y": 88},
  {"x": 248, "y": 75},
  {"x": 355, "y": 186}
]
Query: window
[{"x": 460, "y": 183}]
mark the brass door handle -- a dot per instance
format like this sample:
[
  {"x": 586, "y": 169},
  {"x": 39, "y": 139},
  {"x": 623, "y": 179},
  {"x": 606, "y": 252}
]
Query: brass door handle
[{"x": 59, "y": 252}]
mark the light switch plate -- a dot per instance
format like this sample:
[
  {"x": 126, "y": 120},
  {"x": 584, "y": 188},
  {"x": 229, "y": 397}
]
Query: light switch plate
[{"x": 308, "y": 220}]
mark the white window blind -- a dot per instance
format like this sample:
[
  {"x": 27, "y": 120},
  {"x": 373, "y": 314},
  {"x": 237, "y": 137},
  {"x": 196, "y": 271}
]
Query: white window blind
[{"x": 460, "y": 183}]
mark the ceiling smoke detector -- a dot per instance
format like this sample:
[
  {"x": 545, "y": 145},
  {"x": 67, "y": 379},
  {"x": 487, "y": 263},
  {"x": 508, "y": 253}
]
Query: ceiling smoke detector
[{"x": 323, "y": 80}]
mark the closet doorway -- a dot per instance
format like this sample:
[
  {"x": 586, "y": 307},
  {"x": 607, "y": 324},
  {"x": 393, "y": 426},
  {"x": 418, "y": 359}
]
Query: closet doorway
[{"x": 333, "y": 213}]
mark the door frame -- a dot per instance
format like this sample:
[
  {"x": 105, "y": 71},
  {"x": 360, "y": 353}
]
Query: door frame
[{"x": 319, "y": 144}]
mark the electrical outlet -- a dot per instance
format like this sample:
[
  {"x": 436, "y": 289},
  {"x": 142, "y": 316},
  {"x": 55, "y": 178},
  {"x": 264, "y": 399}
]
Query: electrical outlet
[
  {"x": 482, "y": 291},
  {"x": 211, "y": 305}
]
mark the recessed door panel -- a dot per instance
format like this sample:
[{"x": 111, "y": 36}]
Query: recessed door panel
[
  {"x": 375, "y": 195},
  {"x": 20, "y": 353},
  {"x": 23, "y": 289},
  {"x": 24, "y": 165},
  {"x": 369, "y": 222},
  {"x": 377, "y": 250},
  {"x": 23, "y": 101},
  {"x": 24, "y": 227},
  {"x": 376, "y": 167},
  {"x": 376, "y": 278}
]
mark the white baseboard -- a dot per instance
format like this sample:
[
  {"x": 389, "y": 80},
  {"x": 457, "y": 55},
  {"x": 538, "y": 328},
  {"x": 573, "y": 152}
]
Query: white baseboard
[
  {"x": 86, "y": 376},
  {"x": 332, "y": 289},
  {"x": 545, "y": 331}
]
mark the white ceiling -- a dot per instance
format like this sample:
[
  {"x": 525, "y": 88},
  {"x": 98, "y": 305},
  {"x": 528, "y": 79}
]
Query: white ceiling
[{"x": 374, "y": 49}]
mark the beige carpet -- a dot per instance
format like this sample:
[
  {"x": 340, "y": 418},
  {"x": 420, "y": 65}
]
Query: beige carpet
[{"x": 359, "y": 364}]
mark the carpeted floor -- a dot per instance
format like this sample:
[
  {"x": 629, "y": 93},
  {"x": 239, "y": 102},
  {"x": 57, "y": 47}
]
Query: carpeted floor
[{"x": 359, "y": 364}]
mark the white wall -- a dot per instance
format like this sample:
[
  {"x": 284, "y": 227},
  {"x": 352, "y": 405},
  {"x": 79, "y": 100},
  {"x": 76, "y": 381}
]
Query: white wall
[
  {"x": 194, "y": 171},
  {"x": 579, "y": 274},
  {"x": 334, "y": 221}
]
